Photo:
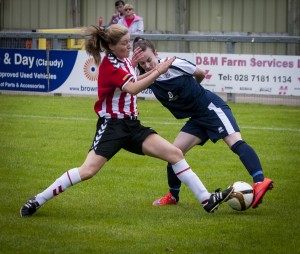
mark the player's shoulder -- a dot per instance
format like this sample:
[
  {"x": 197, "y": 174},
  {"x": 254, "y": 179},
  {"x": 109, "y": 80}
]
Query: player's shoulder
[
  {"x": 180, "y": 62},
  {"x": 183, "y": 61},
  {"x": 113, "y": 60},
  {"x": 177, "y": 59},
  {"x": 108, "y": 66},
  {"x": 183, "y": 65}
]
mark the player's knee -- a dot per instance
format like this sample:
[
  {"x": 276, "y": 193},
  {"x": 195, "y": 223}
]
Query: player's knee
[
  {"x": 236, "y": 145},
  {"x": 87, "y": 172},
  {"x": 178, "y": 154}
]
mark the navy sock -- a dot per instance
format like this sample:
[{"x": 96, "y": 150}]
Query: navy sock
[
  {"x": 250, "y": 160},
  {"x": 174, "y": 182}
]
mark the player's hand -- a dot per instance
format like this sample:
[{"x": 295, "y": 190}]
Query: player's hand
[
  {"x": 116, "y": 14},
  {"x": 136, "y": 56},
  {"x": 163, "y": 67}
]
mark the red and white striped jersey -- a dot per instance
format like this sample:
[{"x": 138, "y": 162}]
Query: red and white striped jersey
[{"x": 114, "y": 75}]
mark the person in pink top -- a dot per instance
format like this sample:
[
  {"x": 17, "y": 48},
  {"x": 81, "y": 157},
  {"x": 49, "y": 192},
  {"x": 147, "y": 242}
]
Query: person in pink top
[{"x": 134, "y": 23}]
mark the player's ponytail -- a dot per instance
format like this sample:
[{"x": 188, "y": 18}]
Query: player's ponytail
[
  {"x": 99, "y": 38},
  {"x": 95, "y": 41}
]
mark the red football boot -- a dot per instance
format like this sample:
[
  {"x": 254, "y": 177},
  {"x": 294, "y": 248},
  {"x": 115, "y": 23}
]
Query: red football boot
[
  {"x": 165, "y": 200},
  {"x": 260, "y": 190}
]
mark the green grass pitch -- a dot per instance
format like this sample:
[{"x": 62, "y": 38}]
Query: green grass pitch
[{"x": 43, "y": 136}]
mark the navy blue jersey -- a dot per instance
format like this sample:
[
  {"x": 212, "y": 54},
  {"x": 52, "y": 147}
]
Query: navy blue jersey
[
  {"x": 179, "y": 92},
  {"x": 209, "y": 116}
]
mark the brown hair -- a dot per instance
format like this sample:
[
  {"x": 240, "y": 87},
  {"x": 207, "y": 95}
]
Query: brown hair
[{"x": 99, "y": 38}]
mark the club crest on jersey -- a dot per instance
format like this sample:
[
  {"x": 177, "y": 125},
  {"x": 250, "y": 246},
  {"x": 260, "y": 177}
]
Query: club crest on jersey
[{"x": 172, "y": 97}]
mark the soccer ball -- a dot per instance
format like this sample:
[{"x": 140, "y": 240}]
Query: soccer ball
[{"x": 241, "y": 197}]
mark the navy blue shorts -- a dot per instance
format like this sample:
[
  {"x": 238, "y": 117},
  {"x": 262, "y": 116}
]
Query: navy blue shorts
[
  {"x": 115, "y": 134},
  {"x": 217, "y": 123}
]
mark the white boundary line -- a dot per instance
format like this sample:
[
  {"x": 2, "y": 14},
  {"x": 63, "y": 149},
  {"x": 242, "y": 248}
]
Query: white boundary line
[{"x": 147, "y": 122}]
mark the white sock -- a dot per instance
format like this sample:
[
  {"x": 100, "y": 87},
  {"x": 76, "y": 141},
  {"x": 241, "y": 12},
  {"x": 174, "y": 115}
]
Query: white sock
[
  {"x": 68, "y": 179},
  {"x": 189, "y": 178}
]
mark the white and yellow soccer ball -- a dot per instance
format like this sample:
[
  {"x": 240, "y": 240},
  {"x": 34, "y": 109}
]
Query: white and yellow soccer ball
[{"x": 242, "y": 196}]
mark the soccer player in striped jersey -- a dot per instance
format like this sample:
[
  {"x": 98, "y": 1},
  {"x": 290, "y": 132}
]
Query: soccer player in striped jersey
[
  {"x": 179, "y": 90},
  {"x": 118, "y": 126}
]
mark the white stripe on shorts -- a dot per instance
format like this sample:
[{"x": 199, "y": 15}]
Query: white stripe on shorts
[{"x": 220, "y": 113}]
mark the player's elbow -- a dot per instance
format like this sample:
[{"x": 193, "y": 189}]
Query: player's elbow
[
  {"x": 202, "y": 74},
  {"x": 199, "y": 74}
]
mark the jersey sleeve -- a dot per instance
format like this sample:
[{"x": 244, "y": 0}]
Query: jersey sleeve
[
  {"x": 113, "y": 75},
  {"x": 120, "y": 77},
  {"x": 184, "y": 65}
]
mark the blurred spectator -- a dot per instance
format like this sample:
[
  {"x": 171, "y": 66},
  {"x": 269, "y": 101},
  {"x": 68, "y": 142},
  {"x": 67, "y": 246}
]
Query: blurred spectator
[
  {"x": 119, "y": 5},
  {"x": 134, "y": 23}
]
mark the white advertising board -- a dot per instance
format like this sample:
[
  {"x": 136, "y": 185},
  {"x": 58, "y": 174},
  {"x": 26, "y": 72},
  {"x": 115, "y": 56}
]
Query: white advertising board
[
  {"x": 83, "y": 77},
  {"x": 74, "y": 72},
  {"x": 251, "y": 74}
]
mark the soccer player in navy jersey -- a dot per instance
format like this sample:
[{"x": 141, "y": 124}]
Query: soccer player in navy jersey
[
  {"x": 118, "y": 126},
  {"x": 209, "y": 117}
]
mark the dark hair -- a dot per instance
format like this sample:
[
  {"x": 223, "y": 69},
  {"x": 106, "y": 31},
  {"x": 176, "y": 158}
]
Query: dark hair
[
  {"x": 99, "y": 38},
  {"x": 117, "y": 3},
  {"x": 143, "y": 44}
]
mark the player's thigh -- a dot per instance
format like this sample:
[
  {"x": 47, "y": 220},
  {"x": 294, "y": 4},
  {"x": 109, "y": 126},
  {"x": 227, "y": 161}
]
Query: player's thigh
[
  {"x": 185, "y": 141},
  {"x": 156, "y": 146}
]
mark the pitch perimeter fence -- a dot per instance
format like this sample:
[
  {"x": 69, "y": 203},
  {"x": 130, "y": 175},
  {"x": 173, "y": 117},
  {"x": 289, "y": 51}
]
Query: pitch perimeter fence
[{"x": 223, "y": 58}]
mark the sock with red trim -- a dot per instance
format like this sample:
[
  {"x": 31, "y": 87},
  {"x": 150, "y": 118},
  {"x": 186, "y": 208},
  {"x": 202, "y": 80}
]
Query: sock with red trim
[
  {"x": 189, "y": 178},
  {"x": 68, "y": 179}
]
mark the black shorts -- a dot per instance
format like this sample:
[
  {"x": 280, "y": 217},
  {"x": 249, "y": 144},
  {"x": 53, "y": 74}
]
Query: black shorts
[{"x": 114, "y": 134}]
